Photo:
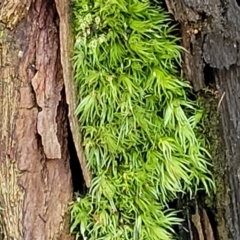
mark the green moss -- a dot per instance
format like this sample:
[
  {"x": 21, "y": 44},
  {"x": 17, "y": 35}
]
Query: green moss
[{"x": 140, "y": 129}]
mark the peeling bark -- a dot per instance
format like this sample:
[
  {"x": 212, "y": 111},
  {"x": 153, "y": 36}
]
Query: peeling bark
[
  {"x": 35, "y": 176},
  {"x": 210, "y": 33}
]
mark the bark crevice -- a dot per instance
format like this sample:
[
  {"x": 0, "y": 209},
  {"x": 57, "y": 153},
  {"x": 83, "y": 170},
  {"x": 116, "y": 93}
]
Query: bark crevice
[
  {"x": 79, "y": 185},
  {"x": 35, "y": 184},
  {"x": 66, "y": 46}
]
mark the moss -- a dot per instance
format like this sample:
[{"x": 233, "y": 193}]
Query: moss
[
  {"x": 139, "y": 126},
  {"x": 217, "y": 201}
]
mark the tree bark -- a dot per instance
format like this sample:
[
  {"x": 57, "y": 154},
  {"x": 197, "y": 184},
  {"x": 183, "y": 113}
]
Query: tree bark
[
  {"x": 35, "y": 176},
  {"x": 66, "y": 46},
  {"x": 210, "y": 33}
]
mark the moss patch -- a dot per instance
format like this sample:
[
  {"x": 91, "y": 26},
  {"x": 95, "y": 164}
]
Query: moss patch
[{"x": 139, "y": 126}]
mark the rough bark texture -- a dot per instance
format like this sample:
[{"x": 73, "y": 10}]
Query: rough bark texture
[
  {"x": 12, "y": 12},
  {"x": 35, "y": 177},
  {"x": 210, "y": 32}
]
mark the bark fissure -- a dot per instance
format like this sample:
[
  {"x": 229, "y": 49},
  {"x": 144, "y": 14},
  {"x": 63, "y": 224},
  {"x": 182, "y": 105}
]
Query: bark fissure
[
  {"x": 48, "y": 95},
  {"x": 79, "y": 185},
  {"x": 66, "y": 46},
  {"x": 35, "y": 170}
]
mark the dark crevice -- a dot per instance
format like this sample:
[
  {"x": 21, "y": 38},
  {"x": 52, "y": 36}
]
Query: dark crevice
[
  {"x": 78, "y": 182},
  {"x": 238, "y": 2},
  {"x": 163, "y": 4},
  {"x": 209, "y": 77},
  {"x": 77, "y": 175},
  {"x": 186, "y": 230},
  {"x": 213, "y": 222}
]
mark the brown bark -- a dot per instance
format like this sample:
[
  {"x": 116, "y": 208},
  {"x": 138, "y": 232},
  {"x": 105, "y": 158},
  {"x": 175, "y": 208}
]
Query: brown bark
[
  {"x": 66, "y": 46},
  {"x": 210, "y": 33},
  {"x": 35, "y": 176}
]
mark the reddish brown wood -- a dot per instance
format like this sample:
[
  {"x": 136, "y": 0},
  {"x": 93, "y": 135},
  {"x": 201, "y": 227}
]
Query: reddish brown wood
[
  {"x": 35, "y": 177},
  {"x": 66, "y": 46}
]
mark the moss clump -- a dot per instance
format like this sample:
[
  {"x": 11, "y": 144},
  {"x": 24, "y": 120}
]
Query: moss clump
[{"x": 137, "y": 122}]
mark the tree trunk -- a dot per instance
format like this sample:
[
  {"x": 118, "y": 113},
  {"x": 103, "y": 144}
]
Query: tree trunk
[
  {"x": 210, "y": 33},
  {"x": 35, "y": 176},
  {"x": 35, "y": 76}
]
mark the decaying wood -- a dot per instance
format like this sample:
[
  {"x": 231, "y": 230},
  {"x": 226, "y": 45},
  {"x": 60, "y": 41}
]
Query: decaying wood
[
  {"x": 202, "y": 224},
  {"x": 35, "y": 176},
  {"x": 210, "y": 33},
  {"x": 66, "y": 44},
  {"x": 196, "y": 219},
  {"x": 207, "y": 226}
]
